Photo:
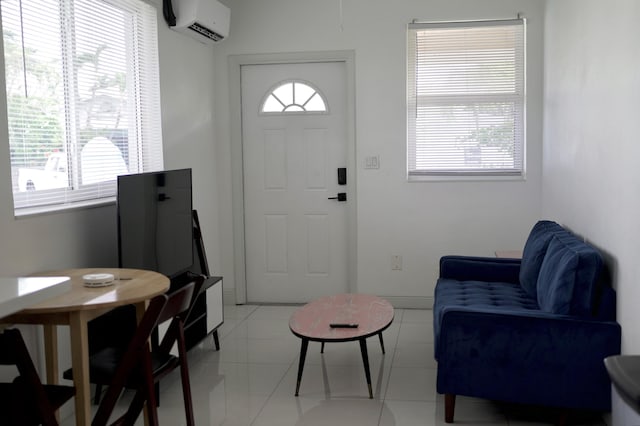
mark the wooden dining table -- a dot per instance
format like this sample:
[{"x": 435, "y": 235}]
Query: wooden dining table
[
  {"x": 75, "y": 308},
  {"x": 17, "y": 293}
]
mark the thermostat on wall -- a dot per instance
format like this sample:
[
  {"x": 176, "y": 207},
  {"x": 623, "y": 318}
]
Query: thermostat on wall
[{"x": 97, "y": 280}]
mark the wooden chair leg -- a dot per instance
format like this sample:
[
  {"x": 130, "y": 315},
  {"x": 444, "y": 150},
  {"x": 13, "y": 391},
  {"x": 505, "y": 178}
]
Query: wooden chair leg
[
  {"x": 449, "y": 407},
  {"x": 150, "y": 389},
  {"x": 184, "y": 375},
  {"x": 144, "y": 398},
  {"x": 105, "y": 409},
  {"x": 135, "y": 408},
  {"x": 96, "y": 397}
]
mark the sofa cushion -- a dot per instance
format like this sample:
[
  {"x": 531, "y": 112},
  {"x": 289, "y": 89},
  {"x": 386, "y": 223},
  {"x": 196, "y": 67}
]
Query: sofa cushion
[
  {"x": 533, "y": 254},
  {"x": 451, "y": 294},
  {"x": 568, "y": 276}
]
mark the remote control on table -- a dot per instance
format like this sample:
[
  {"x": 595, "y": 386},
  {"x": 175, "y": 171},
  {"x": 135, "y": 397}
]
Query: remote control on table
[{"x": 340, "y": 325}]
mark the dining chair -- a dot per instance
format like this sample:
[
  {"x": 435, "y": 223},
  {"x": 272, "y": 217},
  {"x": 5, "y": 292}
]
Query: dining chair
[
  {"x": 26, "y": 401},
  {"x": 141, "y": 369},
  {"x": 115, "y": 328}
]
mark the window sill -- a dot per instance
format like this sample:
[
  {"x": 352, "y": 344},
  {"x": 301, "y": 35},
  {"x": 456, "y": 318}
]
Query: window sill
[
  {"x": 466, "y": 178},
  {"x": 79, "y": 205}
]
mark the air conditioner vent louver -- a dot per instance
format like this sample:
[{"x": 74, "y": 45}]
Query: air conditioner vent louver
[{"x": 201, "y": 29}]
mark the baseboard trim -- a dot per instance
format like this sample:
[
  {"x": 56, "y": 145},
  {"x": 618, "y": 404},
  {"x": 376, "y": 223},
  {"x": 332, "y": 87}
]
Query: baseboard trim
[
  {"x": 400, "y": 302},
  {"x": 410, "y": 302}
]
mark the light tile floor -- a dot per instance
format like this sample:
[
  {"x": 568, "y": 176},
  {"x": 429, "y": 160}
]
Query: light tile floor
[{"x": 251, "y": 380}]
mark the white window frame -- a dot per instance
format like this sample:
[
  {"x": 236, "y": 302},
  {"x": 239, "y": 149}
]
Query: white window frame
[
  {"x": 419, "y": 96},
  {"x": 144, "y": 128},
  {"x": 285, "y": 107}
]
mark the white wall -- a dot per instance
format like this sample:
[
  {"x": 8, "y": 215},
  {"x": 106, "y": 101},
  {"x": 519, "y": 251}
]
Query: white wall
[
  {"x": 188, "y": 130},
  {"x": 420, "y": 221},
  {"x": 592, "y": 99}
]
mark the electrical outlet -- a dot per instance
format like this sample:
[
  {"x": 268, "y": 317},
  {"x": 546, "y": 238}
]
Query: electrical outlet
[
  {"x": 396, "y": 263},
  {"x": 372, "y": 162}
]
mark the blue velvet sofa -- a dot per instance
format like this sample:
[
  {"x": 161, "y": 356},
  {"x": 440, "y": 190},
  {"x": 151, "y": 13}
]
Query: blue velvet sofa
[{"x": 533, "y": 330}]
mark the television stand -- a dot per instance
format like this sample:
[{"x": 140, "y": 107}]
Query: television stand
[{"x": 207, "y": 314}]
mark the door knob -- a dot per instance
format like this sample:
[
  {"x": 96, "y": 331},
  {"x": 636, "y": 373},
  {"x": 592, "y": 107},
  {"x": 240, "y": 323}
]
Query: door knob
[{"x": 342, "y": 196}]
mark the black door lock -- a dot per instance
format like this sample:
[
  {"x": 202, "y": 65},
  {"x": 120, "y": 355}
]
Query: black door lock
[
  {"x": 342, "y": 196},
  {"x": 342, "y": 175}
]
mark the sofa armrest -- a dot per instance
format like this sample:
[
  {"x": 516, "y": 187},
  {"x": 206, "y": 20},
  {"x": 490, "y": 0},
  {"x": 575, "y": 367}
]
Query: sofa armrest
[
  {"x": 555, "y": 360},
  {"x": 470, "y": 268}
]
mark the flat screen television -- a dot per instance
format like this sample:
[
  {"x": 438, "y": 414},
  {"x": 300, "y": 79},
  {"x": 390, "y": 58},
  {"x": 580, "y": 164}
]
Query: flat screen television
[{"x": 155, "y": 222}]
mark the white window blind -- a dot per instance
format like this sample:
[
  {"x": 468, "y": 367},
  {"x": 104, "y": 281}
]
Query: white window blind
[
  {"x": 466, "y": 99},
  {"x": 82, "y": 98}
]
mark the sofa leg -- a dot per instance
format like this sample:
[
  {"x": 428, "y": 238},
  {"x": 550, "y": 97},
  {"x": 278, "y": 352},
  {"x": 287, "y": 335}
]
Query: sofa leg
[
  {"x": 449, "y": 407},
  {"x": 563, "y": 417}
]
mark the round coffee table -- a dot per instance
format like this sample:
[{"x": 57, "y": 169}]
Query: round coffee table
[{"x": 341, "y": 318}]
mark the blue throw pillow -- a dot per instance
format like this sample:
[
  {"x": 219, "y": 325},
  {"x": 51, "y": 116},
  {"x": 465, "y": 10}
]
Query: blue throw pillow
[
  {"x": 557, "y": 278},
  {"x": 533, "y": 254},
  {"x": 587, "y": 285}
]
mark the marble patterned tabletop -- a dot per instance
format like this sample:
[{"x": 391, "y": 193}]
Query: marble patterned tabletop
[{"x": 312, "y": 321}]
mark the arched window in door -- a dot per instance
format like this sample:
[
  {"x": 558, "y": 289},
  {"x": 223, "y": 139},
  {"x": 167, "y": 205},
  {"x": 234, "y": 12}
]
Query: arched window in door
[{"x": 293, "y": 97}]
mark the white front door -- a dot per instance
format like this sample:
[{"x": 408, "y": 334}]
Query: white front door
[{"x": 294, "y": 133}]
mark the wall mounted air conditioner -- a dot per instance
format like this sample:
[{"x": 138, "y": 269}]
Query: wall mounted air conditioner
[{"x": 205, "y": 20}]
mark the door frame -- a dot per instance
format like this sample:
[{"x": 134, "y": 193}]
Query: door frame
[{"x": 236, "y": 62}]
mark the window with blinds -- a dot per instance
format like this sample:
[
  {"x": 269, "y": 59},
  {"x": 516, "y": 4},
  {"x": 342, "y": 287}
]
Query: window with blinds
[
  {"x": 83, "y": 98},
  {"x": 466, "y": 99}
]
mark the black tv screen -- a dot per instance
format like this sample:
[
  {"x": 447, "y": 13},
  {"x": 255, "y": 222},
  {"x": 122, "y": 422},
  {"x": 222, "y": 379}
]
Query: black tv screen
[{"x": 155, "y": 225}]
